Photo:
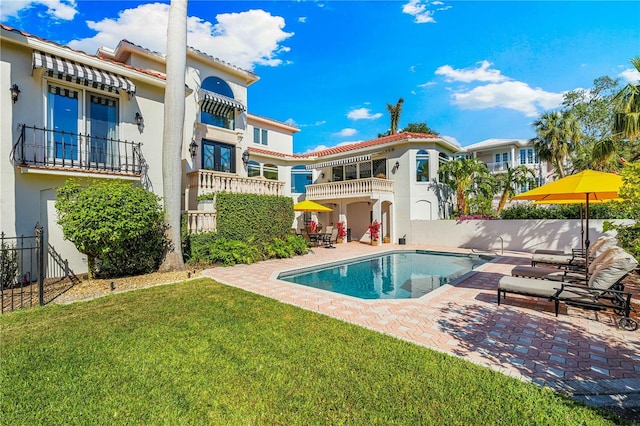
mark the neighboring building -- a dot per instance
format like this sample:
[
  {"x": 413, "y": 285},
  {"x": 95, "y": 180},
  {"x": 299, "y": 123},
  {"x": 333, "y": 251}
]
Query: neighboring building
[{"x": 498, "y": 154}]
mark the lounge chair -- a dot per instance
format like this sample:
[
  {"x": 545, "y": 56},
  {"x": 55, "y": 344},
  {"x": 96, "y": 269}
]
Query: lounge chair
[
  {"x": 576, "y": 259},
  {"x": 577, "y": 275},
  {"x": 600, "y": 294}
]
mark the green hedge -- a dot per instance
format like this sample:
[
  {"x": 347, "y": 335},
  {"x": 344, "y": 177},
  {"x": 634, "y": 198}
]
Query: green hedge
[
  {"x": 252, "y": 217},
  {"x": 611, "y": 210}
]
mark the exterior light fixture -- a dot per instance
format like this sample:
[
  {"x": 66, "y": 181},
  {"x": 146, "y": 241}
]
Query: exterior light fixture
[
  {"x": 321, "y": 175},
  {"x": 139, "y": 119},
  {"x": 15, "y": 92},
  {"x": 397, "y": 165},
  {"x": 193, "y": 148},
  {"x": 245, "y": 157}
]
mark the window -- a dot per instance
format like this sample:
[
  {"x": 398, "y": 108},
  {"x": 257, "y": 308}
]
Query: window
[
  {"x": 337, "y": 173},
  {"x": 253, "y": 169},
  {"x": 422, "y": 166},
  {"x": 102, "y": 125},
  {"x": 222, "y": 115},
  {"x": 350, "y": 172},
  {"x": 528, "y": 156},
  {"x": 260, "y": 136},
  {"x": 505, "y": 157},
  {"x": 365, "y": 170},
  {"x": 62, "y": 116},
  {"x": 380, "y": 168},
  {"x": 270, "y": 171},
  {"x": 300, "y": 177},
  {"x": 218, "y": 156}
]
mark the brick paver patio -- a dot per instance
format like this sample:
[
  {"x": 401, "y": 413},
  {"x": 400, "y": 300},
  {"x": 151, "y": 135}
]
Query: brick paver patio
[{"x": 582, "y": 353}]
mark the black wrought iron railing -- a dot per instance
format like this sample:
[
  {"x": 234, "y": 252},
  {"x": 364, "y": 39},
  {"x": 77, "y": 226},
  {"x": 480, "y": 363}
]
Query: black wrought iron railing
[{"x": 42, "y": 147}]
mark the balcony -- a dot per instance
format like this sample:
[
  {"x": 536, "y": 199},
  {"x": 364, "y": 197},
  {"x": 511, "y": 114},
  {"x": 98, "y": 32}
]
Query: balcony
[
  {"x": 55, "y": 150},
  {"x": 208, "y": 182},
  {"x": 500, "y": 166},
  {"x": 349, "y": 188}
]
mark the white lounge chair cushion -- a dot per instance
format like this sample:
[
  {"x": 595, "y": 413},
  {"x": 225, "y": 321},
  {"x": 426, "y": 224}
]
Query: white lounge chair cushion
[
  {"x": 607, "y": 273},
  {"x": 558, "y": 259},
  {"x": 602, "y": 244},
  {"x": 541, "y": 288}
]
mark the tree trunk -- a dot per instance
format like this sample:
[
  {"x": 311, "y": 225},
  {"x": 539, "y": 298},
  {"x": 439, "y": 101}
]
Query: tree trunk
[
  {"x": 503, "y": 200},
  {"x": 174, "y": 106}
]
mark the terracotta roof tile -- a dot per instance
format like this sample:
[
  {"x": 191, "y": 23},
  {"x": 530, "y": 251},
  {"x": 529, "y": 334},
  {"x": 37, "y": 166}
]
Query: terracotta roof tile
[
  {"x": 120, "y": 64},
  {"x": 373, "y": 142}
]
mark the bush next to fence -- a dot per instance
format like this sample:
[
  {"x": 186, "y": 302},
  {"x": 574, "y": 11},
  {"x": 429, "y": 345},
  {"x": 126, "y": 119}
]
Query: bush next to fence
[
  {"x": 117, "y": 224},
  {"x": 9, "y": 266}
]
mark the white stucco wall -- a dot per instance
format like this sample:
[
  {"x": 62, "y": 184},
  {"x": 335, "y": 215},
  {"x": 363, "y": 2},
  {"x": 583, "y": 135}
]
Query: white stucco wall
[{"x": 493, "y": 235}]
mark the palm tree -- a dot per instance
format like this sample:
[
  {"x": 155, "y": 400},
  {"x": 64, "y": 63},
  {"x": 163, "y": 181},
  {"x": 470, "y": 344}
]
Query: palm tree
[
  {"x": 394, "y": 114},
  {"x": 511, "y": 180},
  {"x": 461, "y": 175},
  {"x": 557, "y": 134},
  {"x": 627, "y": 116},
  {"x": 172, "y": 132}
]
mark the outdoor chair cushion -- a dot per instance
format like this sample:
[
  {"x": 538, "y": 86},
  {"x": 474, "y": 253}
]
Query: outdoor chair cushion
[
  {"x": 541, "y": 288},
  {"x": 616, "y": 265},
  {"x": 598, "y": 247}
]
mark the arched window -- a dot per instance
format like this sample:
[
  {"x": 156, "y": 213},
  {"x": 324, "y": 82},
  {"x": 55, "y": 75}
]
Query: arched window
[
  {"x": 422, "y": 166},
  {"x": 214, "y": 111},
  {"x": 300, "y": 177},
  {"x": 253, "y": 169},
  {"x": 270, "y": 171},
  {"x": 217, "y": 85}
]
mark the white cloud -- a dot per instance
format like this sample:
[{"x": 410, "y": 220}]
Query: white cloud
[
  {"x": 467, "y": 75},
  {"x": 420, "y": 12},
  {"x": 244, "y": 39},
  {"x": 363, "y": 114},
  {"x": 58, "y": 9},
  {"x": 346, "y": 132},
  {"x": 631, "y": 75},
  {"x": 427, "y": 84},
  {"x": 514, "y": 95},
  {"x": 302, "y": 19}
]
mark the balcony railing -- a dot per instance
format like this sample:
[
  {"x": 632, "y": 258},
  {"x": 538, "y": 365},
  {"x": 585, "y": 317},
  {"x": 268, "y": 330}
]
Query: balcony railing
[
  {"x": 349, "y": 188},
  {"x": 209, "y": 181},
  {"x": 41, "y": 147},
  {"x": 201, "y": 221}
]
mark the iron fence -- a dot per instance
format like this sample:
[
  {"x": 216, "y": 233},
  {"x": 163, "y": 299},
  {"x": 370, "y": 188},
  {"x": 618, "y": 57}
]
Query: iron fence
[{"x": 30, "y": 273}]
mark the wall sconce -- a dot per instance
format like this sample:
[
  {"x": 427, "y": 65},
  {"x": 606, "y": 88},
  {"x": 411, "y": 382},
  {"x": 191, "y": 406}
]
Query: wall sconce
[
  {"x": 15, "y": 92},
  {"x": 193, "y": 148},
  {"x": 321, "y": 175},
  {"x": 396, "y": 165},
  {"x": 139, "y": 121},
  {"x": 245, "y": 157}
]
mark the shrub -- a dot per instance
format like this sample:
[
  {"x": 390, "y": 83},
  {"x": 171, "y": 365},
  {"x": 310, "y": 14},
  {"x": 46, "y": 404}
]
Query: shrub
[
  {"x": 8, "y": 265},
  {"x": 118, "y": 225},
  {"x": 211, "y": 249}
]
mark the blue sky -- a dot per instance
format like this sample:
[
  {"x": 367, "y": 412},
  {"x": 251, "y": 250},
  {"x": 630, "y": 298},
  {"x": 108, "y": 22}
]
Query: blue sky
[{"x": 473, "y": 70}]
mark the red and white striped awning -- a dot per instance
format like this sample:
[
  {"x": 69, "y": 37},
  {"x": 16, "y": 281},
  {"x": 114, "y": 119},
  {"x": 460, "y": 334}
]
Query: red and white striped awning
[{"x": 86, "y": 75}]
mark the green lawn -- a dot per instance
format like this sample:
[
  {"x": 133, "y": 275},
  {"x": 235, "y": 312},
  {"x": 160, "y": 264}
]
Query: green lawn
[{"x": 199, "y": 352}]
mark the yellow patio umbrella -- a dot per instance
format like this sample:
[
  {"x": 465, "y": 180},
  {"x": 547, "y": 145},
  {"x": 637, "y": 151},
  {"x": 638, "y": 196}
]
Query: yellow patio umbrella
[
  {"x": 310, "y": 206},
  {"x": 586, "y": 186}
]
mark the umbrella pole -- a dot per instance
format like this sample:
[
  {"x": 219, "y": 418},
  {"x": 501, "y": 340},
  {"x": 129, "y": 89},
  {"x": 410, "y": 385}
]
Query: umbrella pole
[
  {"x": 587, "y": 242},
  {"x": 581, "y": 228}
]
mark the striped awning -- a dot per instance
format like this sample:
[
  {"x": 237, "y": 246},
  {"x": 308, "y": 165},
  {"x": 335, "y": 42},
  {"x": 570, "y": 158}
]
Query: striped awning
[
  {"x": 217, "y": 104},
  {"x": 86, "y": 75},
  {"x": 339, "y": 162}
]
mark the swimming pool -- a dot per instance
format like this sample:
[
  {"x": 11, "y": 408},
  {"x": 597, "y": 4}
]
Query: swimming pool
[{"x": 393, "y": 275}]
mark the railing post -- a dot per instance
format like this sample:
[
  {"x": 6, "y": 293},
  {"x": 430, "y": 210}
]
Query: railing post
[{"x": 40, "y": 262}]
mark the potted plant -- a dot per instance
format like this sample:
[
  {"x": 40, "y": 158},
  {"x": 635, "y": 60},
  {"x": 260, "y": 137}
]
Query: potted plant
[
  {"x": 342, "y": 231},
  {"x": 374, "y": 231}
]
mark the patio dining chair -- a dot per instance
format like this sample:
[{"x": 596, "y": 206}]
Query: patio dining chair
[{"x": 600, "y": 293}]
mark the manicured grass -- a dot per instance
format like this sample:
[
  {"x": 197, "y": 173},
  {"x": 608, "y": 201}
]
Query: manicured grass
[{"x": 199, "y": 352}]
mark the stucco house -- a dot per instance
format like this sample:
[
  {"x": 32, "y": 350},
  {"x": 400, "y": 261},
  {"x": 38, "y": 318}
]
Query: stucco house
[{"x": 78, "y": 115}]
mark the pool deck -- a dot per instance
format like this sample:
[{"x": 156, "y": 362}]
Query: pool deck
[{"x": 580, "y": 353}]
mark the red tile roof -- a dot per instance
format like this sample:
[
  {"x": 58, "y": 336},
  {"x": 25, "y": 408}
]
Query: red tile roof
[
  {"x": 120, "y": 64},
  {"x": 351, "y": 147},
  {"x": 373, "y": 142}
]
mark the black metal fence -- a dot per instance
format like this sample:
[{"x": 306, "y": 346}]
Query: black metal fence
[
  {"x": 42, "y": 147},
  {"x": 30, "y": 273}
]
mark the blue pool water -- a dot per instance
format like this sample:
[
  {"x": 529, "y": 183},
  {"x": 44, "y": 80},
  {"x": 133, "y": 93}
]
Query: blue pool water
[{"x": 394, "y": 275}]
